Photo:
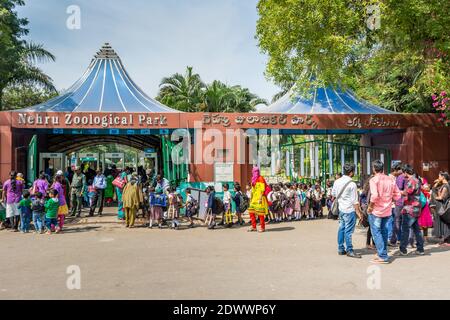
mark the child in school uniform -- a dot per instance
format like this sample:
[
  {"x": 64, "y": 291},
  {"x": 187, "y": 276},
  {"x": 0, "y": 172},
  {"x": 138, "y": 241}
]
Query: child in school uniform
[
  {"x": 191, "y": 206},
  {"x": 238, "y": 199},
  {"x": 158, "y": 203},
  {"x": 51, "y": 212},
  {"x": 226, "y": 203},
  {"x": 210, "y": 205},
  {"x": 304, "y": 201},
  {"x": 91, "y": 194},
  {"x": 297, "y": 202},
  {"x": 173, "y": 212},
  {"x": 25, "y": 212},
  {"x": 309, "y": 195}
]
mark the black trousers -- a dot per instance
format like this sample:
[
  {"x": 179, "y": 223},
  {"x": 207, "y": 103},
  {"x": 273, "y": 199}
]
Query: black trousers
[{"x": 97, "y": 201}]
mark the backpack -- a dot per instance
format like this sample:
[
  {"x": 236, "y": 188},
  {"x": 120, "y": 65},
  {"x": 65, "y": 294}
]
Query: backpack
[
  {"x": 193, "y": 206},
  {"x": 218, "y": 204},
  {"x": 179, "y": 200},
  {"x": 243, "y": 202},
  {"x": 276, "y": 201},
  {"x": 284, "y": 201},
  {"x": 160, "y": 200},
  {"x": 423, "y": 200}
]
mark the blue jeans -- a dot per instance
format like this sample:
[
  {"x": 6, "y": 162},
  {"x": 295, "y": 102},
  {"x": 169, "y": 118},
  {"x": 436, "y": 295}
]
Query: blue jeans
[
  {"x": 347, "y": 223},
  {"x": 25, "y": 220},
  {"x": 51, "y": 221},
  {"x": 397, "y": 225},
  {"x": 411, "y": 223},
  {"x": 379, "y": 229},
  {"x": 390, "y": 225},
  {"x": 38, "y": 221}
]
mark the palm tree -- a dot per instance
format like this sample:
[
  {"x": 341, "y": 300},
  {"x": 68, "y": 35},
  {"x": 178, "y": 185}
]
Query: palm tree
[
  {"x": 217, "y": 97},
  {"x": 244, "y": 100},
  {"x": 182, "y": 92},
  {"x": 23, "y": 71},
  {"x": 188, "y": 93}
]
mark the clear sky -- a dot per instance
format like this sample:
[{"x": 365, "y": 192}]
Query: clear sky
[{"x": 154, "y": 38}]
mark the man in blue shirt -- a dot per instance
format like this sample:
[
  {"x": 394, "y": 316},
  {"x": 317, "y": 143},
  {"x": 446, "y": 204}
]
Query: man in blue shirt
[{"x": 99, "y": 185}]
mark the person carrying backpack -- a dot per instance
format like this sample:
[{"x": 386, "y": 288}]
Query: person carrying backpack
[
  {"x": 191, "y": 206},
  {"x": 211, "y": 209},
  {"x": 173, "y": 211},
  {"x": 241, "y": 202}
]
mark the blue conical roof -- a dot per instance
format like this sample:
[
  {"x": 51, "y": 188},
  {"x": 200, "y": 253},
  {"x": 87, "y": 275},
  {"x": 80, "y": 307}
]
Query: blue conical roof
[
  {"x": 104, "y": 87},
  {"x": 323, "y": 101}
]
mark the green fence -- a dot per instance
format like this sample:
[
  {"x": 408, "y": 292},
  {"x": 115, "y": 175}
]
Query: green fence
[{"x": 318, "y": 159}]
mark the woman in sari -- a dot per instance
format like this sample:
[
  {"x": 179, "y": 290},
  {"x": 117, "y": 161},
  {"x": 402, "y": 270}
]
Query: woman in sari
[
  {"x": 119, "y": 193},
  {"x": 131, "y": 201},
  {"x": 259, "y": 205},
  {"x": 441, "y": 194}
]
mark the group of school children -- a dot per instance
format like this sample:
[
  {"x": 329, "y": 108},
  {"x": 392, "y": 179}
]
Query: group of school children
[
  {"x": 287, "y": 202},
  {"x": 296, "y": 201}
]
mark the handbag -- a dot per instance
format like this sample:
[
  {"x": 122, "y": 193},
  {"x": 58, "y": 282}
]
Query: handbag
[
  {"x": 119, "y": 182},
  {"x": 335, "y": 205},
  {"x": 444, "y": 212}
]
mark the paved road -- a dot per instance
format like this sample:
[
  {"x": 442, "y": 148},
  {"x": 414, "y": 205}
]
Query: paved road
[{"x": 295, "y": 260}]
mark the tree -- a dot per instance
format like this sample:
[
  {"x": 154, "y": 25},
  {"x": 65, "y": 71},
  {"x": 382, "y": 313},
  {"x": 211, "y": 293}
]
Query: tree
[
  {"x": 23, "y": 96},
  {"x": 18, "y": 57},
  {"x": 190, "y": 93},
  {"x": 393, "y": 53},
  {"x": 182, "y": 92}
]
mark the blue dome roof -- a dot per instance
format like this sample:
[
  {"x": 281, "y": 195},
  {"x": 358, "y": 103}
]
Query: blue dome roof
[
  {"x": 323, "y": 101},
  {"x": 104, "y": 87}
]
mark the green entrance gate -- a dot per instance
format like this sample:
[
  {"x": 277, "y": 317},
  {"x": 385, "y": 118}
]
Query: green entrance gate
[
  {"x": 32, "y": 160},
  {"x": 318, "y": 159},
  {"x": 175, "y": 173}
]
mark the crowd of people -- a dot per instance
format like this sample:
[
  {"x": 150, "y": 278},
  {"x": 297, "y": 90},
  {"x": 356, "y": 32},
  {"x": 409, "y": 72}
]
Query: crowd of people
[{"x": 397, "y": 209}]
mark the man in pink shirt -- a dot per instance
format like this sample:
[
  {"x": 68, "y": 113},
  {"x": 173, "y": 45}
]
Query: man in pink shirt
[{"x": 383, "y": 191}]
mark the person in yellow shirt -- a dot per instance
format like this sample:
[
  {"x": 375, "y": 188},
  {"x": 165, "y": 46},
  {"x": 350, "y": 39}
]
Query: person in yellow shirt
[{"x": 259, "y": 205}]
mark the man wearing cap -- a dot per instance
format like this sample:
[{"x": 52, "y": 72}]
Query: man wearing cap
[
  {"x": 99, "y": 185},
  {"x": 76, "y": 191}
]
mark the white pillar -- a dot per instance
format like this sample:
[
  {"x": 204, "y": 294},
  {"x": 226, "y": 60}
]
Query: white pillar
[
  {"x": 342, "y": 159},
  {"x": 316, "y": 157},
  {"x": 330, "y": 158},
  {"x": 355, "y": 160},
  {"x": 273, "y": 163},
  {"x": 382, "y": 157},
  {"x": 369, "y": 169},
  {"x": 302, "y": 162},
  {"x": 288, "y": 162}
]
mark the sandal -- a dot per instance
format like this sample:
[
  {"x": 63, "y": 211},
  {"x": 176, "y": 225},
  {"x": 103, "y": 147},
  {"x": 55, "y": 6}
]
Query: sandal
[{"x": 251, "y": 229}]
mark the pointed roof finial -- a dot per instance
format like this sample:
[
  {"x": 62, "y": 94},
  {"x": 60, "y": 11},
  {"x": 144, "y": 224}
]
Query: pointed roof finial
[{"x": 106, "y": 52}]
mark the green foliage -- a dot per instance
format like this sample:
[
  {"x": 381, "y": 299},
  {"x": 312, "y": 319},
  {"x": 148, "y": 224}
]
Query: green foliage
[
  {"x": 189, "y": 93},
  {"x": 397, "y": 65},
  {"x": 17, "y": 56},
  {"x": 23, "y": 96}
]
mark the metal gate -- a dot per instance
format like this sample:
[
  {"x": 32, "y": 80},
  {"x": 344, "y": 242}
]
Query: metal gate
[
  {"x": 175, "y": 173},
  {"x": 318, "y": 159}
]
